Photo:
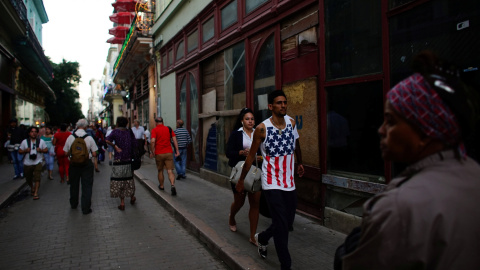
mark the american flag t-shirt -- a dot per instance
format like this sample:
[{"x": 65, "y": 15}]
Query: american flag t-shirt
[{"x": 278, "y": 152}]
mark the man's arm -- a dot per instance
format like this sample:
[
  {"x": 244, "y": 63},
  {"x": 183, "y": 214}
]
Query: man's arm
[
  {"x": 298, "y": 154},
  {"x": 258, "y": 138},
  {"x": 175, "y": 143},
  {"x": 298, "y": 151},
  {"x": 152, "y": 146}
]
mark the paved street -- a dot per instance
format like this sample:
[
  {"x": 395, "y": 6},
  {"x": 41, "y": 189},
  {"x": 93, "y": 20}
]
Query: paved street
[{"x": 47, "y": 234}]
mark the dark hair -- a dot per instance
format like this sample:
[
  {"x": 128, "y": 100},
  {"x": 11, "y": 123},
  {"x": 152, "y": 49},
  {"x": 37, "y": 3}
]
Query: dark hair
[
  {"x": 238, "y": 123},
  {"x": 122, "y": 121},
  {"x": 49, "y": 127},
  {"x": 63, "y": 127},
  {"x": 274, "y": 94},
  {"x": 32, "y": 127},
  {"x": 445, "y": 79}
]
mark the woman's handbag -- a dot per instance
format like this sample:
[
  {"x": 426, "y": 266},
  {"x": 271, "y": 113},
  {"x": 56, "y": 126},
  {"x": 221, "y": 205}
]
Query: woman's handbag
[{"x": 253, "y": 179}]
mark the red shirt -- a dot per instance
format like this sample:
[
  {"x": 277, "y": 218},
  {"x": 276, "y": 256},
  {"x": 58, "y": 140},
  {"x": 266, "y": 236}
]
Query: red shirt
[
  {"x": 60, "y": 143},
  {"x": 162, "y": 137}
]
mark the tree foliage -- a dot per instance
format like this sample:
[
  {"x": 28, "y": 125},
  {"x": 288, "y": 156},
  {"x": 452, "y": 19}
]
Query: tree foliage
[{"x": 65, "y": 108}]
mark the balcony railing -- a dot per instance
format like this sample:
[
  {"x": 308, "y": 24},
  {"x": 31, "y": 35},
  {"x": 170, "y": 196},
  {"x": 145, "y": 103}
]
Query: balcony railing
[{"x": 30, "y": 35}]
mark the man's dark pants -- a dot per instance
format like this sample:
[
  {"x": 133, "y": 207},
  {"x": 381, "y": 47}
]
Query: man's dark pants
[
  {"x": 282, "y": 206},
  {"x": 85, "y": 175}
]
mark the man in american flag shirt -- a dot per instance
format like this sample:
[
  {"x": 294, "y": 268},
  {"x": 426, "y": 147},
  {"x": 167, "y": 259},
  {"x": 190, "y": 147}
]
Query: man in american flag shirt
[{"x": 276, "y": 138}]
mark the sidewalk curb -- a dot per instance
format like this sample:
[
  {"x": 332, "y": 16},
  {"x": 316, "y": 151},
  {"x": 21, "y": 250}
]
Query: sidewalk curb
[
  {"x": 231, "y": 255},
  {"x": 11, "y": 193}
]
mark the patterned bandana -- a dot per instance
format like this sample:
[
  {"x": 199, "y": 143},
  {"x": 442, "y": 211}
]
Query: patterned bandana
[{"x": 415, "y": 99}]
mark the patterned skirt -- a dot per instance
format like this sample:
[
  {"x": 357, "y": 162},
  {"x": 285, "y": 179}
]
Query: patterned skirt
[{"x": 121, "y": 182}]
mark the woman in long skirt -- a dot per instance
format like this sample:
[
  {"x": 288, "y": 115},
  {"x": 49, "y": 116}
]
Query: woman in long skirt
[{"x": 121, "y": 182}]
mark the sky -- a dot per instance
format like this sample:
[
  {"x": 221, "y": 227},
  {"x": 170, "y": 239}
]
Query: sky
[{"x": 77, "y": 31}]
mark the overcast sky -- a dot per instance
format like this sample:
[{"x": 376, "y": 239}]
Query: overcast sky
[{"x": 77, "y": 30}]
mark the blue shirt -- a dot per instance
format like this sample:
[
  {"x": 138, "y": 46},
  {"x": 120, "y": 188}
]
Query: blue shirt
[{"x": 183, "y": 138}]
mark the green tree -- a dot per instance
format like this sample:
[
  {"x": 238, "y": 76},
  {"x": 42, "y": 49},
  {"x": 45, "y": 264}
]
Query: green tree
[{"x": 65, "y": 108}]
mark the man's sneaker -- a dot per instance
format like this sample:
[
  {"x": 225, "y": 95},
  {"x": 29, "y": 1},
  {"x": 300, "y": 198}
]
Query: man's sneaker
[
  {"x": 179, "y": 177},
  {"x": 184, "y": 176},
  {"x": 21, "y": 175},
  {"x": 174, "y": 191},
  {"x": 16, "y": 177},
  {"x": 262, "y": 249}
]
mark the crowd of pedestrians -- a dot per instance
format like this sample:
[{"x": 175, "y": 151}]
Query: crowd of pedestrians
[{"x": 422, "y": 221}]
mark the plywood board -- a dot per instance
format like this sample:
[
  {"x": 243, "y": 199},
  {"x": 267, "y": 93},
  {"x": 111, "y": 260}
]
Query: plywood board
[{"x": 302, "y": 106}]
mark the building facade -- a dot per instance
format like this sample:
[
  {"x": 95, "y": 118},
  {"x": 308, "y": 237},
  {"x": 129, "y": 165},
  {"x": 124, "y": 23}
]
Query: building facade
[
  {"x": 203, "y": 61},
  {"x": 335, "y": 60},
  {"x": 24, "y": 68}
]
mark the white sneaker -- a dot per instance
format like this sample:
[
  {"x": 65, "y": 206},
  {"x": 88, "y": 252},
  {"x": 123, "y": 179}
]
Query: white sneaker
[{"x": 262, "y": 249}]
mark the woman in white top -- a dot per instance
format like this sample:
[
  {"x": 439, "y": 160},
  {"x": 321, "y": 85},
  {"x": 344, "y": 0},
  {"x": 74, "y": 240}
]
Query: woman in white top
[{"x": 238, "y": 147}]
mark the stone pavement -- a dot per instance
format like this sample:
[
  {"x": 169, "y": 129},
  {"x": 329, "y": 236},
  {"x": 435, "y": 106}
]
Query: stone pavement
[
  {"x": 201, "y": 207},
  {"x": 48, "y": 234}
]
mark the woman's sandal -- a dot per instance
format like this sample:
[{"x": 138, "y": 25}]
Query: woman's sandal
[
  {"x": 35, "y": 197},
  {"x": 121, "y": 207},
  {"x": 253, "y": 242},
  {"x": 233, "y": 228},
  {"x": 132, "y": 200}
]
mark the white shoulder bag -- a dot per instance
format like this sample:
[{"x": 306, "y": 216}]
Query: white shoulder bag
[{"x": 253, "y": 179}]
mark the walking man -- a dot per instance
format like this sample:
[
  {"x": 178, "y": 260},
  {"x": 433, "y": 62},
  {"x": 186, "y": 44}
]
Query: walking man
[
  {"x": 16, "y": 135},
  {"x": 81, "y": 148},
  {"x": 276, "y": 138},
  {"x": 161, "y": 138},
  {"x": 139, "y": 133},
  {"x": 183, "y": 140},
  {"x": 33, "y": 148}
]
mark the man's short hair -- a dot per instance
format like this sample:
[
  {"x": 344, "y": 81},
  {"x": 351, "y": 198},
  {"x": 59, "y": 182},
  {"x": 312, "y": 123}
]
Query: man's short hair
[
  {"x": 136, "y": 121},
  {"x": 13, "y": 120},
  {"x": 32, "y": 127},
  {"x": 274, "y": 94},
  {"x": 180, "y": 122},
  {"x": 159, "y": 119},
  {"x": 82, "y": 123}
]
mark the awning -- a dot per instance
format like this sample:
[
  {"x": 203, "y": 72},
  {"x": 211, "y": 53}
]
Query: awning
[
  {"x": 115, "y": 40},
  {"x": 119, "y": 31},
  {"x": 122, "y": 17},
  {"x": 125, "y": 5}
]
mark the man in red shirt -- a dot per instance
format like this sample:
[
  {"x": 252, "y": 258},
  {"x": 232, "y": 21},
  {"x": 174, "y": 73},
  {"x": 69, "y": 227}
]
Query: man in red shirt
[{"x": 161, "y": 138}]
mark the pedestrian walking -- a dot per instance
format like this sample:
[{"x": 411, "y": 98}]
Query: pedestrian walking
[
  {"x": 33, "y": 148},
  {"x": 161, "y": 139},
  {"x": 428, "y": 216},
  {"x": 41, "y": 131},
  {"x": 91, "y": 131},
  {"x": 147, "y": 137},
  {"x": 110, "y": 149},
  {"x": 139, "y": 133},
  {"x": 238, "y": 148},
  {"x": 276, "y": 138},
  {"x": 81, "y": 148},
  {"x": 100, "y": 140},
  {"x": 121, "y": 181},
  {"x": 59, "y": 140},
  {"x": 16, "y": 135},
  {"x": 50, "y": 155},
  {"x": 183, "y": 140}
]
